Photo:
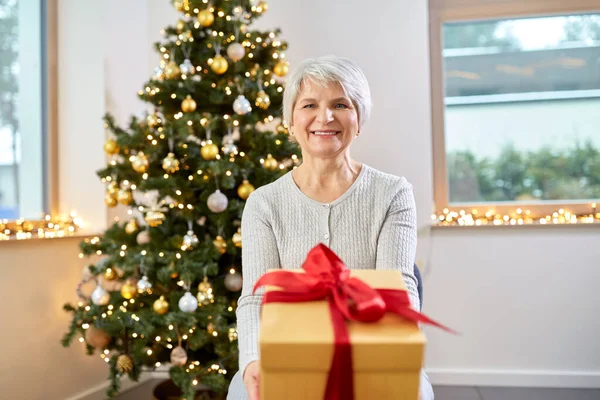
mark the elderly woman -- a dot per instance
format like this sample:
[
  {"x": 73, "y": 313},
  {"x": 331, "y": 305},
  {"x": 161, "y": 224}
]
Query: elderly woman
[{"x": 365, "y": 216}]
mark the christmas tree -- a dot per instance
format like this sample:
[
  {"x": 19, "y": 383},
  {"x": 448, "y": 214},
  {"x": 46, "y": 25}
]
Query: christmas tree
[{"x": 167, "y": 280}]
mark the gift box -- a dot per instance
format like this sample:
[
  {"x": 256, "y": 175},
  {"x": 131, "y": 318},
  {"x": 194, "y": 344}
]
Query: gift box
[{"x": 297, "y": 343}]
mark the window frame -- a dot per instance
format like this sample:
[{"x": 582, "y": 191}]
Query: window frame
[
  {"x": 443, "y": 11},
  {"x": 49, "y": 118},
  {"x": 50, "y": 107}
]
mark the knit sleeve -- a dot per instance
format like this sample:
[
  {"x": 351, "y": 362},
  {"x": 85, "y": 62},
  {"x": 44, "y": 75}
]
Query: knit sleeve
[
  {"x": 259, "y": 254},
  {"x": 397, "y": 242}
]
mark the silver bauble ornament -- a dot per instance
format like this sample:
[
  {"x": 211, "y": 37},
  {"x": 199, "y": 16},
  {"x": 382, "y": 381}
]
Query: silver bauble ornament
[
  {"x": 188, "y": 303},
  {"x": 233, "y": 282},
  {"x": 144, "y": 284},
  {"x": 230, "y": 148},
  {"x": 189, "y": 240},
  {"x": 236, "y": 52},
  {"x": 100, "y": 297},
  {"x": 86, "y": 273},
  {"x": 159, "y": 74},
  {"x": 241, "y": 105},
  {"x": 186, "y": 67},
  {"x": 217, "y": 202}
]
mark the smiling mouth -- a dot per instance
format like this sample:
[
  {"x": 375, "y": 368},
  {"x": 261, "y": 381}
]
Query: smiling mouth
[{"x": 325, "y": 133}]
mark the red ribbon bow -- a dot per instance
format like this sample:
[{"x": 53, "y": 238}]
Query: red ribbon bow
[{"x": 349, "y": 298}]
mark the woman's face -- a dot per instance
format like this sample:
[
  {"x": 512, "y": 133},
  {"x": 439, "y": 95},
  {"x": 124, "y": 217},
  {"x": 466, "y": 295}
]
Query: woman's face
[{"x": 324, "y": 120}]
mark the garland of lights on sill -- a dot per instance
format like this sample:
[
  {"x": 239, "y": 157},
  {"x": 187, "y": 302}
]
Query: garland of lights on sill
[
  {"x": 518, "y": 217},
  {"x": 49, "y": 227}
]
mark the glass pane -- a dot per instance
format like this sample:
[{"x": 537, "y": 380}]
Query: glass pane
[
  {"x": 21, "y": 61},
  {"x": 522, "y": 109}
]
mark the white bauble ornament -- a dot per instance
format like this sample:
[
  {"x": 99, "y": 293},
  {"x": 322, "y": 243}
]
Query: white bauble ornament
[
  {"x": 100, "y": 297},
  {"x": 233, "y": 282},
  {"x": 178, "y": 356},
  {"x": 188, "y": 303},
  {"x": 217, "y": 202},
  {"x": 241, "y": 105},
  {"x": 143, "y": 237},
  {"x": 236, "y": 51},
  {"x": 144, "y": 284}
]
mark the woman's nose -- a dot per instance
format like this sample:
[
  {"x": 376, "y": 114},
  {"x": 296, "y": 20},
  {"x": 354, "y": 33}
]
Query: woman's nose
[{"x": 325, "y": 115}]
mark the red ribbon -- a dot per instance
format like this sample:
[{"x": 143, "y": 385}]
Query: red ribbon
[{"x": 349, "y": 298}]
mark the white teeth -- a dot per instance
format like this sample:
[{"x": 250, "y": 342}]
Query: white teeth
[{"x": 324, "y": 133}]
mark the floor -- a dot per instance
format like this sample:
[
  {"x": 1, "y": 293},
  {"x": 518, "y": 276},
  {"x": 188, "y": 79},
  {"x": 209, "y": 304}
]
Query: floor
[{"x": 144, "y": 391}]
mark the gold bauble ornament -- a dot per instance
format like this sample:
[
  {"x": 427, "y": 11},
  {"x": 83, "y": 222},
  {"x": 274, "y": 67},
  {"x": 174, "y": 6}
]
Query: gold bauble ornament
[
  {"x": 131, "y": 226},
  {"x": 110, "y": 200},
  {"x": 140, "y": 162},
  {"x": 161, "y": 306},
  {"x": 209, "y": 151},
  {"x": 245, "y": 189},
  {"x": 219, "y": 64},
  {"x": 97, "y": 338},
  {"x": 128, "y": 290},
  {"x": 263, "y": 5},
  {"x": 262, "y": 100},
  {"x": 125, "y": 197},
  {"x": 170, "y": 163},
  {"x": 154, "y": 218},
  {"x": 180, "y": 26},
  {"x": 232, "y": 334},
  {"x": 206, "y": 18},
  {"x": 152, "y": 120},
  {"x": 220, "y": 244},
  {"x": 111, "y": 147},
  {"x": 205, "y": 292},
  {"x": 110, "y": 274},
  {"x": 188, "y": 104},
  {"x": 112, "y": 188},
  {"x": 281, "y": 68},
  {"x": 210, "y": 328},
  {"x": 271, "y": 163},
  {"x": 124, "y": 363},
  {"x": 237, "y": 239},
  {"x": 204, "y": 286},
  {"x": 178, "y": 4},
  {"x": 172, "y": 70}
]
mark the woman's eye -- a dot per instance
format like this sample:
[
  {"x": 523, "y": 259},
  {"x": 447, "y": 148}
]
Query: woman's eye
[
  {"x": 309, "y": 106},
  {"x": 341, "y": 105}
]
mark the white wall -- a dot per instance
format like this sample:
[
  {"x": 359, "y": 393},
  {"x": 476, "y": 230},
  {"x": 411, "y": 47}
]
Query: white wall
[
  {"x": 81, "y": 81},
  {"x": 37, "y": 278},
  {"x": 523, "y": 297}
]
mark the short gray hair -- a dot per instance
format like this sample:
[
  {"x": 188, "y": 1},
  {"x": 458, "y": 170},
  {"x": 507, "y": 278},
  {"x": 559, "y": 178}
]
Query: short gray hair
[{"x": 325, "y": 70}]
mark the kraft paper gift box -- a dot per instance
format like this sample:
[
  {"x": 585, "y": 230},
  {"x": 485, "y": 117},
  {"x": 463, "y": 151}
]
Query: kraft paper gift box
[{"x": 297, "y": 344}]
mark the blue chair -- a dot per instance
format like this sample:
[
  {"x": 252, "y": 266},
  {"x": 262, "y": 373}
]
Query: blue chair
[{"x": 419, "y": 284}]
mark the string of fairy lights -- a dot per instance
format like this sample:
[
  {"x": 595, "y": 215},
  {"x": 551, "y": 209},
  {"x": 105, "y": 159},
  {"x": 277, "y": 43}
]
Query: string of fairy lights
[{"x": 518, "y": 217}]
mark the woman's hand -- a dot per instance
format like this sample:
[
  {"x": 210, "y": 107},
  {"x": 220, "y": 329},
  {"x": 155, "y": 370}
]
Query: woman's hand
[{"x": 252, "y": 380}]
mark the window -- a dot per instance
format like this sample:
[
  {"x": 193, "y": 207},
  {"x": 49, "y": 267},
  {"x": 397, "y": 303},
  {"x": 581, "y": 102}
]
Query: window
[
  {"x": 23, "y": 115},
  {"x": 517, "y": 119}
]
